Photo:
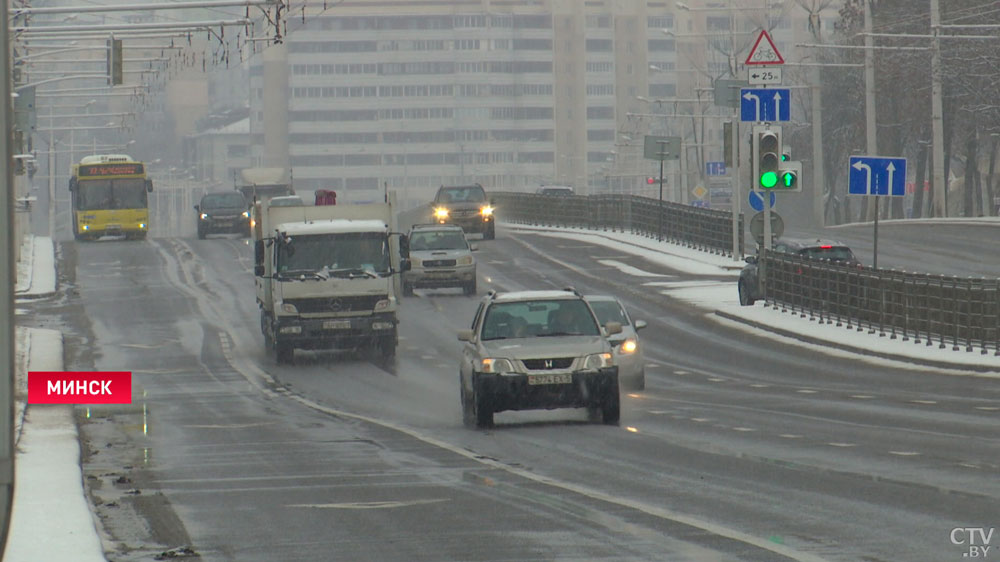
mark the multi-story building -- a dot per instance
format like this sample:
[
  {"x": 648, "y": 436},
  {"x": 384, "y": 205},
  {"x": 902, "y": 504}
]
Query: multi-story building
[{"x": 512, "y": 94}]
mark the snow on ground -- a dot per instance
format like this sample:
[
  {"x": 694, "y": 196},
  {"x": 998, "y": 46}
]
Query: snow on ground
[{"x": 721, "y": 298}]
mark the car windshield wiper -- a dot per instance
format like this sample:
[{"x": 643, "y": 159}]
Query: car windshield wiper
[{"x": 560, "y": 334}]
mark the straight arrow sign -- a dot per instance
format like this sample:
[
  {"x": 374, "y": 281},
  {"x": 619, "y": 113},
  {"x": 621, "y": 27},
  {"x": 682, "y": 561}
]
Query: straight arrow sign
[
  {"x": 763, "y": 105},
  {"x": 874, "y": 175}
]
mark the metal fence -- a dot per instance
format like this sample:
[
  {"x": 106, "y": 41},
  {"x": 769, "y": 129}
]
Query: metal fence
[
  {"x": 947, "y": 312},
  {"x": 704, "y": 229}
]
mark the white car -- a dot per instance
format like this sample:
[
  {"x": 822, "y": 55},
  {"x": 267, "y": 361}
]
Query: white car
[{"x": 627, "y": 350}]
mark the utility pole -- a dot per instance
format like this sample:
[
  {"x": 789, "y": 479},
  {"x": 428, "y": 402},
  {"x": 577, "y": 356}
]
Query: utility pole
[
  {"x": 7, "y": 276},
  {"x": 937, "y": 116}
]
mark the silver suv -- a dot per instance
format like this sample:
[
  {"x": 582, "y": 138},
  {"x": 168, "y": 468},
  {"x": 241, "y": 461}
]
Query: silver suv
[
  {"x": 533, "y": 350},
  {"x": 440, "y": 256}
]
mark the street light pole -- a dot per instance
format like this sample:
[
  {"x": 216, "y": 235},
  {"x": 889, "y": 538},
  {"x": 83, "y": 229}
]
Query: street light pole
[{"x": 937, "y": 115}]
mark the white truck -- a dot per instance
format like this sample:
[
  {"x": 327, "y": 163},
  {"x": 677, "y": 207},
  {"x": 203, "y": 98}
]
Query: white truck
[
  {"x": 262, "y": 183},
  {"x": 328, "y": 277}
]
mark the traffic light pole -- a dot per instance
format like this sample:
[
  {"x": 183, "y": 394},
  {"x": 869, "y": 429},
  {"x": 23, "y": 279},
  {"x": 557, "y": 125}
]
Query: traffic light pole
[{"x": 662, "y": 154}]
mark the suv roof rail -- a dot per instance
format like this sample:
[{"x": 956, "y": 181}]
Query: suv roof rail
[
  {"x": 572, "y": 290},
  {"x": 491, "y": 294}
]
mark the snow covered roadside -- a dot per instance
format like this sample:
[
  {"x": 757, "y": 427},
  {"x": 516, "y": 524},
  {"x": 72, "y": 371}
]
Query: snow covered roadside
[
  {"x": 36, "y": 273},
  {"x": 721, "y": 298}
]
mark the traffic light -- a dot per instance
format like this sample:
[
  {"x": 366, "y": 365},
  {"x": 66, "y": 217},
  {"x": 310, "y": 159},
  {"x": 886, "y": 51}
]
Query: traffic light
[
  {"x": 115, "y": 62},
  {"x": 786, "y": 153},
  {"x": 789, "y": 176},
  {"x": 766, "y": 156},
  {"x": 650, "y": 181}
]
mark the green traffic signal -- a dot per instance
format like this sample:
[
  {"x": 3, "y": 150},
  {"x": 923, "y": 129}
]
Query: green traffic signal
[
  {"x": 788, "y": 179},
  {"x": 768, "y": 180}
]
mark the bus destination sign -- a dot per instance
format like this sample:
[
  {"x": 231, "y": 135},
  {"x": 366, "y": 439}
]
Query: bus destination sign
[{"x": 111, "y": 169}]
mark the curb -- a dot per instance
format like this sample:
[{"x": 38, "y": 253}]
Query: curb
[
  {"x": 26, "y": 263},
  {"x": 857, "y": 350}
]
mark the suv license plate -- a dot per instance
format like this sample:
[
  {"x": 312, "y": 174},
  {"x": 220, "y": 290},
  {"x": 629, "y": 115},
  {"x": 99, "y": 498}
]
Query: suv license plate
[
  {"x": 337, "y": 325},
  {"x": 550, "y": 379}
]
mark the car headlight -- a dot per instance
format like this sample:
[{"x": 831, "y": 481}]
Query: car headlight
[
  {"x": 486, "y": 211},
  {"x": 467, "y": 260},
  {"x": 253, "y": 223},
  {"x": 246, "y": 214},
  {"x": 493, "y": 365},
  {"x": 204, "y": 216},
  {"x": 289, "y": 308},
  {"x": 597, "y": 361},
  {"x": 628, "y": 346},
  {"x": 441, "y": 213}
]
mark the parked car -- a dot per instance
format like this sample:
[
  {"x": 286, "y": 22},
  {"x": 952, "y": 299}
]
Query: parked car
[
  {"x": 627, "y": 350},
  {"x": 816, "y": 248},
  {"x": 466, "y": 206},
  {"x": 223, "y": 212},
  {"x": 532, "y": 350},
  {"x": 440, "y": 256},
  {"x": 554, "y": 190}
]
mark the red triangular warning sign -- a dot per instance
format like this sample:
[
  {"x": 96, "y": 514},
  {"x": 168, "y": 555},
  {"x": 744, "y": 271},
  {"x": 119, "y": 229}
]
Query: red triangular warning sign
[{"x": 764, "y": 52}]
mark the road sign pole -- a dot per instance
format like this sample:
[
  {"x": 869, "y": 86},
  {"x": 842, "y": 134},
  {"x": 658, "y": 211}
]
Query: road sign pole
[
  {"x": 663, "y": 154},
  {"x": 737, "y": 191},
  {"x": 875, "y": 245}
]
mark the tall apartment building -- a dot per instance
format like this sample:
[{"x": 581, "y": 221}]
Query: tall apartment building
[{"x": 509, "y": 93}]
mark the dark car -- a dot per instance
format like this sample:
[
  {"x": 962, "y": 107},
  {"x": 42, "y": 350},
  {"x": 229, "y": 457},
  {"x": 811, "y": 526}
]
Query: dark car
[
  {"x": 466, "y": 206},
  {"x": 555, "y": 190},
  {"x": 223, "y": 213},
  {"x": 815, "y": 248}
]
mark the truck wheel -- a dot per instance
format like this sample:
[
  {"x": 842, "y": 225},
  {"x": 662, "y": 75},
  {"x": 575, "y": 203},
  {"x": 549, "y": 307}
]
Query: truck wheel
[
  {"x": 611, "y": 406},
  {"x": 490, "y": 233},
  {"x": 201, "y": 234},
  {"x": 470, "y": 287},
  {"x": 407, "y": 290},
  {"x": 284, "y": 353}
]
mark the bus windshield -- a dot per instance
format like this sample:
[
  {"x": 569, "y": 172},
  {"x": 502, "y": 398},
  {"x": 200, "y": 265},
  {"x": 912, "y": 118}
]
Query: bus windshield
[{"x": 95, "y": 195}]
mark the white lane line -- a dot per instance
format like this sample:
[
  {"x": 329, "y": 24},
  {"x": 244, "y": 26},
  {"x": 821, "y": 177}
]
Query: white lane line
[
  {"x": 744, "y": 429},
  {"x": 904, "y": 453},
  {"x": 805, "y": 391},
  {"x": 862, "y": 396},
  {"x": 716, "y": 379},
  {"x": 842, "y": 444},
  {"x": 701, "y": 420},
  {"x": 987, "y": 408},
  {"x": 790, "y": 436},
  {"x": 924, "y": 402},
  {"x": 628, "y": 269},
  {"x": 759, "y": 385},
  {"x": 427, "y": 357},
  {"x": 367, "y": 505},
  {"x": 657, "y": 412},
  {"x": 681, "y": 373}
]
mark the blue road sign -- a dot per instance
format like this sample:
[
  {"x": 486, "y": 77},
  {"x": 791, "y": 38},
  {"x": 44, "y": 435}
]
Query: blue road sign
[
  {"x": 715, "y": 168},
  {"x": 759, "y": 104},
  {"x": 874, "y": 175},
  {"x": 757, "y": 199}
]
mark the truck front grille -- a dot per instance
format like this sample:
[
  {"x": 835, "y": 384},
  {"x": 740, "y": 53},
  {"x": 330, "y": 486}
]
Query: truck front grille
[{"x": 321, "y": 305}]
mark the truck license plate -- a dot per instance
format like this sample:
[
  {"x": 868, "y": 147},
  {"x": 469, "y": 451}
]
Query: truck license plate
[
  {"x": 550, "y": 379},
  {"x": 337, "y": 325}
]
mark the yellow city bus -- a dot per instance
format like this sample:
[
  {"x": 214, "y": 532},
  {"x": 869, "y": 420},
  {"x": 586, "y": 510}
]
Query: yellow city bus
[{"x": 110, "y": 197}]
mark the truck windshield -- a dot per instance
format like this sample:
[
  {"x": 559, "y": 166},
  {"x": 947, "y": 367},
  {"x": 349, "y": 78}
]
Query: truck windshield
[{"x": 337, "y": 253}]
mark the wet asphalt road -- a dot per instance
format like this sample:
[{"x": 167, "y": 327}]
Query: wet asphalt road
[{"x": 740, "y": 448}]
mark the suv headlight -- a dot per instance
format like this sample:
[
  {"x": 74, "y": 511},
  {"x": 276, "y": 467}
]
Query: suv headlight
[
  {"x": 204, "y": 216},
  {"x": 628, "y": 347},
  {"x": 467, "y": 260},
  {"x": 486, "y": 210},
  {"x": 494, "y": 365},
  {"x": 246, "y": 214},
  {"x": 597, "y": 361},
  {"x": 441, "y": 213}
]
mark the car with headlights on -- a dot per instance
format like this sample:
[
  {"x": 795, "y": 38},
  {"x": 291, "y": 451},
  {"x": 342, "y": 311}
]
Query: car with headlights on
[
  {"x": 814, "y": 248},
  {"x": 466, "y": 206},
  {"x": 530, "y": 350},
  {"x": 223, "y": 213},
  {"x": 440, "y": 256},
  {"x": 627, "y": 350}
]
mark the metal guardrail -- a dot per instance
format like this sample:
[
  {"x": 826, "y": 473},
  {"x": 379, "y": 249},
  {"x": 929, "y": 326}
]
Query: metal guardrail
[
  {"x": 960, "y": 313},
  {"x": 956, "y": 312},
  {"x": 703, "y": 229}
]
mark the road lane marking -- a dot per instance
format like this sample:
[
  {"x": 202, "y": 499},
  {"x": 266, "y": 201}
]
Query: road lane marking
[
  {"x": 904, "y": 453},
  {"x": 987, "y": 408},
  {"x": 744, "y": 429},
  {"x": 842, "y": 444},
  {"x": 806, "y": 391},
  {"x": 628, "y": 269},
  {"x": 366, "y": 505},
  {"x": 924, "y": 402},
  {"x": 862, "y": 396},
  {"x": 790, "y": 436}
]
